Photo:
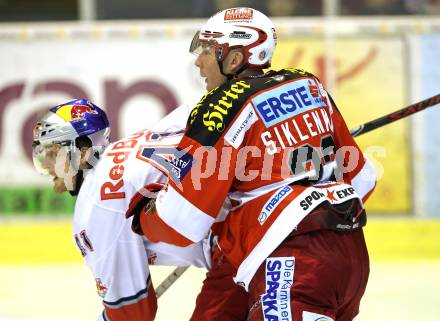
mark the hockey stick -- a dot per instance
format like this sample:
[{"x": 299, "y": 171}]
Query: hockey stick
[
  {"x": 170, "y": 279},
  {"x": 399, "y": 114}
]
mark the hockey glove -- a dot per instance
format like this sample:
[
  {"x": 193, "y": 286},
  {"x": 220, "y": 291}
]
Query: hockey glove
[{"x": 142, "y": 202}]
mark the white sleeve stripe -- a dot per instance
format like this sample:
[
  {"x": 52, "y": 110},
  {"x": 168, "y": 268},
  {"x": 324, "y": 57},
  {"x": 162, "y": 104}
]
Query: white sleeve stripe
[
  {"x": 365, "y": 180},
  {"x": 182, "y": 216}
]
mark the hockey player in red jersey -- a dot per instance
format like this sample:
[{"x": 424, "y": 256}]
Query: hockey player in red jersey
[{"x": 275, "y": 146}]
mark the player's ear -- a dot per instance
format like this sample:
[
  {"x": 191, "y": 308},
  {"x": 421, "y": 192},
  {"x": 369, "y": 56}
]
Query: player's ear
[
  {"x": 84, "y": 144},
  {"x": 85, "y": 156},
  {"x": 236, "y": 59},
  {"x": 239, "y": 57}
]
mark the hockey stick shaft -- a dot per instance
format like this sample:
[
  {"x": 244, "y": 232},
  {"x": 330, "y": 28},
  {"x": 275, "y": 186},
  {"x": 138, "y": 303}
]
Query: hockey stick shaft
[
  {"x": 170, "y": 279},
  {"x": 399, "y": 114}
]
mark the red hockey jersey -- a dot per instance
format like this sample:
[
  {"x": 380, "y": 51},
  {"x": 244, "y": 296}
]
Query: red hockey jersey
[{"x": 274, "y": 146}]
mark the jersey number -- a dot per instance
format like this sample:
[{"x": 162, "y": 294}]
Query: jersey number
[
  {"x": 83, "y": 243},
  {"x": 306, "y": 160}
]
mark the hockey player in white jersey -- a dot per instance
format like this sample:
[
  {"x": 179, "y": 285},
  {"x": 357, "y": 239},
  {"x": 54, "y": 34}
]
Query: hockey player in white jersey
[{"x": 71, "y": 144}]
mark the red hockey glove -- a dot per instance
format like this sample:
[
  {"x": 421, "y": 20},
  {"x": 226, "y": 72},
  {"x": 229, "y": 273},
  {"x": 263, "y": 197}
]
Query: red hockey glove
[{"x": 142, "y": 202}]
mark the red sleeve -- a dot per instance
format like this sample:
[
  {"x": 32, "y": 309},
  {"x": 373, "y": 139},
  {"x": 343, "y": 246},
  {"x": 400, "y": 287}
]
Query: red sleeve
[
  {"x": 201, "y": 173},
  {"x": 185, "y": 212}
]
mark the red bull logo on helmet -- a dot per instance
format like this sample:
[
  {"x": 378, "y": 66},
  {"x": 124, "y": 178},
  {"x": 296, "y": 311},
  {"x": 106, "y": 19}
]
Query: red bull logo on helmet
[
  {"x": 79, "y": 111},
  {"x": 72, "y": 112}
]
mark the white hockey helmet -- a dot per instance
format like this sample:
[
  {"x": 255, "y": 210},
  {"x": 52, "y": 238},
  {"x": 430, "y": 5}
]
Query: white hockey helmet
[
  {"x": 63, "y": 124},
  {"x": 245, "y": 28}
]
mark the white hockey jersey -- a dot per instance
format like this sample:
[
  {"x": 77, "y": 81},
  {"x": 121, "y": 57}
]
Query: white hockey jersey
[{"x": 117, "y": 257}]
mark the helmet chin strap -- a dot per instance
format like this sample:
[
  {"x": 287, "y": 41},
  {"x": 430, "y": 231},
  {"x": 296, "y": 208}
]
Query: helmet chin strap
[
  {"x": 78, "y": 183},
  {"x": 80, "y": 177},
  {"x": 234, "y": 75}
]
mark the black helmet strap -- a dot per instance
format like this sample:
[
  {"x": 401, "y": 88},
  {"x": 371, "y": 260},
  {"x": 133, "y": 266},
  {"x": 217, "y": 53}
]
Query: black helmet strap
[
  {"x": 78, "y": 183},
  {"x": 234, "y": 75}
]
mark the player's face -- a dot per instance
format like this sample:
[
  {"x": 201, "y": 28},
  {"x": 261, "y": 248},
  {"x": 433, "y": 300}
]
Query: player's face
[
  {"x": 55, "y": 163},
  {"x": 209, "y": 69}
]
